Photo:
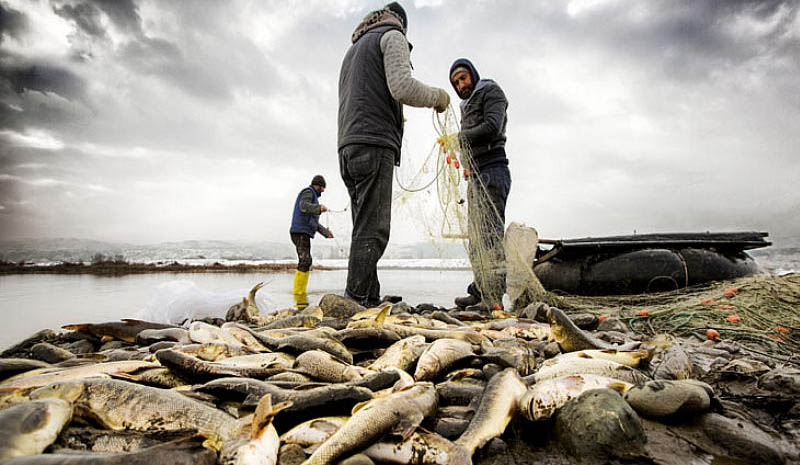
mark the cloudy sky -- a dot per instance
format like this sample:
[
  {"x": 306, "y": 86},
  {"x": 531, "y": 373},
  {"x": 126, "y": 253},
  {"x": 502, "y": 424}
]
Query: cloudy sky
[{"x": 147, "y": 121}]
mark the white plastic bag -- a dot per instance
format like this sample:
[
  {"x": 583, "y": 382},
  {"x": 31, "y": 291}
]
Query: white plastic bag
[{"x": 181, "y": 300}]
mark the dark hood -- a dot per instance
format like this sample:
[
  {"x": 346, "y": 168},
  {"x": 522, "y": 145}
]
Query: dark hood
[{"x": 463, "y": 62}]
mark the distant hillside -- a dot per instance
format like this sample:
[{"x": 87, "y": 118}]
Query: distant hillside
[{"x": 85, "y": 250}]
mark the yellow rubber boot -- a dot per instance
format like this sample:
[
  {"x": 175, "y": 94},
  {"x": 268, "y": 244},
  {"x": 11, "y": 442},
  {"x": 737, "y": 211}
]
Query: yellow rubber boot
[{"x": 300, "y": 284}]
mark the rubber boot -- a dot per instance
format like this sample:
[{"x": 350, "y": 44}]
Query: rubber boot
[{"x": 299, "y": 291}]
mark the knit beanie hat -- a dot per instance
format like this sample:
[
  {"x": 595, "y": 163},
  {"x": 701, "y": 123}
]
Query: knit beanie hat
[{"x": 397, "y": 8}]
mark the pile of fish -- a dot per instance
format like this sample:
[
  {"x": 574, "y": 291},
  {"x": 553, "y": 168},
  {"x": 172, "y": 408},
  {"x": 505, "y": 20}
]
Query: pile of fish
[{"x": 339, "y": 383}]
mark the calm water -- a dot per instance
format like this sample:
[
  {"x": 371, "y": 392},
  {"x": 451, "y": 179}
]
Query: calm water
[{"x": 29, "y": 303}]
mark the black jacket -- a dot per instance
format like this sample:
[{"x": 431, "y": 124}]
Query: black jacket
[{"x": 483, "y": 118}]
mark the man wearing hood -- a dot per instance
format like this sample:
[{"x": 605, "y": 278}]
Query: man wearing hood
[
  {"x": 483, "y": 138},
  {"x": 305, "y": 224},
  {"x": 374, "y": 83}
]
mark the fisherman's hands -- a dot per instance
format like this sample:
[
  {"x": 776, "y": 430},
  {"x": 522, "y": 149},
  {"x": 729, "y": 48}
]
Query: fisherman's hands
[
  {"x": 442, "y": 101},
  {"x": 329, "y": 235},
  {"x": 322, "y": 208}
]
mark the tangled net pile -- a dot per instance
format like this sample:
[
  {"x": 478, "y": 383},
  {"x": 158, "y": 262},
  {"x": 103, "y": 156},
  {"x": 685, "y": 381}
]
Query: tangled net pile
[
  {"x": 762, "y": 313},
  {"x": 463, "y": 211}
]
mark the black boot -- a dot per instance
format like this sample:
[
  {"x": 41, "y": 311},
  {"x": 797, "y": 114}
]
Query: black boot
[{"x": 467, "y": 301}]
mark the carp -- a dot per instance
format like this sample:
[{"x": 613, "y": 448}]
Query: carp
[
  {"x": 441, "y": 355},
  {"x": 400, "y": 413},
  {"x": 544, "y": 398},
  {"x": 499, "y": 404},
  {"x": 28, "y": 428}
]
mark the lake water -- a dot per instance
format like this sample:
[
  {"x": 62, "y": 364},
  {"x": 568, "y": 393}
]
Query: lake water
[{"x": 29, "y": 303}]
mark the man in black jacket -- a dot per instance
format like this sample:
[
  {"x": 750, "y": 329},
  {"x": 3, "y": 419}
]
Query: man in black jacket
[
  {"x": 483, "y": 138},
  {"x": 374, "y": 83}
]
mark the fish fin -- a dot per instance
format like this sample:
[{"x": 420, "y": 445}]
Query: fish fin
[
  {"x": 262, "y": 416},
  {"x": 359, "y": 406},
  {"x": 251, "y": 400},
  {"x": 583, "y": 355},
  {"x": 609, "y": 351},
  {"x": 82, "y": 327},
  {"x": 618, "y": 386},
  {"x": 251, "y": 297},
  {"x": 407, "y": 425},
  {"x": 381, "y": 317},
  {"x": 458, "y": 376},
  {"x": 124, "y": 376}
]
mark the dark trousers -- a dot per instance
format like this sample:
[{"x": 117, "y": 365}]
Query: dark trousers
[
  {"x": 367, "y": 172},
  {"x": 302, "y": 242},
  {"x": 487, "y": 196}
]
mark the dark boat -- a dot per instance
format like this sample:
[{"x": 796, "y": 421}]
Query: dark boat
[{"x": 645, "y": 262}]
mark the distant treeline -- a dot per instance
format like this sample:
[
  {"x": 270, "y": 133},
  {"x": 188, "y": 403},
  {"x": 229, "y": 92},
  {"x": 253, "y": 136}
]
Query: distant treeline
[{"x": 117, "y": 265}]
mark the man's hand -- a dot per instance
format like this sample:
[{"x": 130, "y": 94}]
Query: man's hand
[
  {"x": 442, "y": 101},
  {"x": 330, "y": 234},
  {"x": 322, "y": 208}
]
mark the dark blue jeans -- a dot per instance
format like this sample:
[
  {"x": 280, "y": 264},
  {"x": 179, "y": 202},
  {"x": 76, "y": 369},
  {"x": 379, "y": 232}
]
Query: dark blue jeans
[
  {"x": 487, "y": 196},
  {"x": 367, "y": 172}
]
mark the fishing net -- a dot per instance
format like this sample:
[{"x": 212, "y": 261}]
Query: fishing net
[
  {"x": 762, "y": 313},
  {"x": 450, "y": 201}
]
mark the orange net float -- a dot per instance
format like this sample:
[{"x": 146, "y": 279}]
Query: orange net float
[{"x": 456, "y": 164}]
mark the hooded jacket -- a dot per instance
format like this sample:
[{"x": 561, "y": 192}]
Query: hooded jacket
[{"x": 483, "y": 118}]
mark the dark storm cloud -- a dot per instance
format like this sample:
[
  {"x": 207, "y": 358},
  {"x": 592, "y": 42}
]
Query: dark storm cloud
[
  {"x": 12, "y": 22},
  {"x": 85, "y": 15},
  {"x": 43, "y": 77}
]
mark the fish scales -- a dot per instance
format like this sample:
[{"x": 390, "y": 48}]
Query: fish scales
[
  {"x": 498, "y": 406},
  {"x": 123, "y": 405},
  {"x": 402, "y": 410}
]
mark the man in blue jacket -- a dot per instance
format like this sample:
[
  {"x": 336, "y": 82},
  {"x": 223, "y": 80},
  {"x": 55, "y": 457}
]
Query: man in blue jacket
[
  {"x": 305, "y": 224},
  {"x": 483, "y": 137}
]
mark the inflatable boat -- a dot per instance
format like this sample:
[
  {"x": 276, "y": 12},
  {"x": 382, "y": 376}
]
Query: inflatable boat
[{"x": 645, "y": 262}]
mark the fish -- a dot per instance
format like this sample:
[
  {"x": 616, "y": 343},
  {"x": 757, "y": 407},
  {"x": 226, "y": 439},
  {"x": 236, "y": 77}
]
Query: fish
[
  {"x": 50, "y": 353},
  {"x": 45, "y": 376},
  {"x": 13, "y": 366},
  {"x": 310, "y": 434},
  {"x": 324, "y": 366},
  {"x": 300, "y": 343},
  {"x": 498, "y": 406},
  {"x": 181, "y": 452},
  {"x": 441, "y": 355},
  {"x": 543, "y": 398},
  {"x": 118, "y": 405},
  {"x": 400, "y": 413},
  {"x": 244, "y": 337},
  {"x": 213, "y": 351},
  {"x": 150, "y": 336},
  {"x": 462, "y": 334},
  {"x": 367, "y": 338},
  {"x": 29, "y": 428},
  {"x": 403, "y": 354},
  {"x": 124, "y": 330},
  {"x": 246, "y": 310},
  {"x": 591, "y": 366},
  {"x": 261, "y": 447},
  {"x": 159, "y": 377},
  {"x": 203, "y": 332},
  {"x": 631, "y": 358},
  {"x": 422, "y": 448},
  {"x": 459, "y": 392},
  {"x": 103, "y": 440},
  {"x": 570, "y": 338},
  {"x": 308, "y": 403},
  {"x": 25, "y": 344},
  {"x": 249, "y": 366},
  {"x": 671, "y": 398},
  {"x": 304, "y": 321}
]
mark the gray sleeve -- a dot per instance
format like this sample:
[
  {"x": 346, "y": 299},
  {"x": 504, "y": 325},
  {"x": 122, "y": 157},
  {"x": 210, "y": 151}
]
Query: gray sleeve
[
  {"x": 307, "y": 204},
  {"x": 397, "y": 65},
  {"x": 494, "y": 114}
]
